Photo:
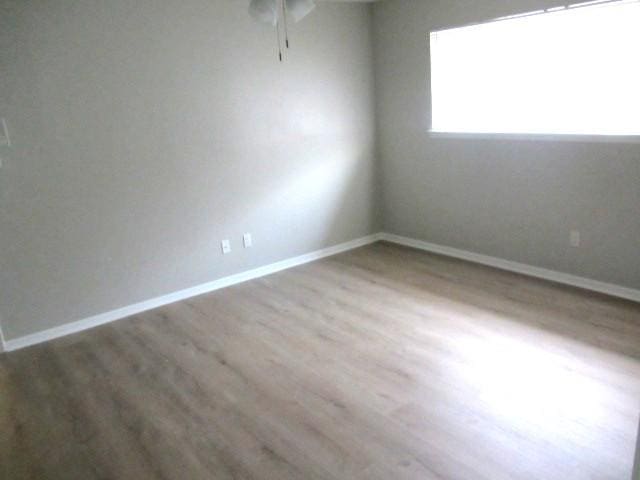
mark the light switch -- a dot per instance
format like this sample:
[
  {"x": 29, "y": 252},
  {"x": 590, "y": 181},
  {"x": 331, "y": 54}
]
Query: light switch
[{"x": 5, "y": 141}]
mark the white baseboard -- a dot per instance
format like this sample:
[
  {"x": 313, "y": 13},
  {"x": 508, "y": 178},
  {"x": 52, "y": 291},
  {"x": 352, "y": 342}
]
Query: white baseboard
[
  {"x": 120, "y": 313},
  {"x": 552, "y": 275},
  {"x": 101, "y": 319},
  {"x": 636, "y": 462}
]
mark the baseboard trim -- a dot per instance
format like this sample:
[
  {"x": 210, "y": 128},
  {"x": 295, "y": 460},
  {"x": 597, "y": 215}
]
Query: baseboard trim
[
  {"x": 552, "y": 275},
  {"x": 636, "y": 462},
  {"x": 120, "y": 313},
  {"x": 124, "y": 312}
]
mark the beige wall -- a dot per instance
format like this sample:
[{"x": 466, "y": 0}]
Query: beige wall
[
  {"x": 146, "y": 131},
  {"x": 516, "y": 200}
]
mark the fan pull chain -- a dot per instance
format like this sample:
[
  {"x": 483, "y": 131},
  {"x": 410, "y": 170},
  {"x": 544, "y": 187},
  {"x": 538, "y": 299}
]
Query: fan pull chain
[
  {"x": 279, "y": 44},
  {"x": 284, "y": 16}
]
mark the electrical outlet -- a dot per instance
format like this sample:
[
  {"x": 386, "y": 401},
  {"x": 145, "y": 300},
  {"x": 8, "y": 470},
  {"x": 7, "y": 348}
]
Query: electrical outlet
[
  {"x": 248, "y": 241},
  {"x": 574, "y": 238},
  {"x": 226, "y": 246}
]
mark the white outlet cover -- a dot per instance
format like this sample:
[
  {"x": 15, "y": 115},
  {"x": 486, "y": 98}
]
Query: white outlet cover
[
  {"x": 575, "y": 238},
  {"x": 248, "y": 241},
  {"x": 226, "y": 246}
]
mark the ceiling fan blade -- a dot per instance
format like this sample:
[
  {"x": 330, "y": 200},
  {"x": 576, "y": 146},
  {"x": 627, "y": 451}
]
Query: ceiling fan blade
[
  {"x": 298, "y": 9},
  {"x": 264, "y": 11}
]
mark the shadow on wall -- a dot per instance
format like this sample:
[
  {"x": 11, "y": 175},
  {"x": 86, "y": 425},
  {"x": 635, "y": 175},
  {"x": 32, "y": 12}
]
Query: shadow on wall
[
  {"x": 321, "y": 199},
  {"x": 328, "y": 199}
]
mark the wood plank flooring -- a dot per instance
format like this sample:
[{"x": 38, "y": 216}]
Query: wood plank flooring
[{"x": 380, "y": 363}]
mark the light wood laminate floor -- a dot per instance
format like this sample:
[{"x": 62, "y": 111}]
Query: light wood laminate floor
[{"x": 380, "y": 363}]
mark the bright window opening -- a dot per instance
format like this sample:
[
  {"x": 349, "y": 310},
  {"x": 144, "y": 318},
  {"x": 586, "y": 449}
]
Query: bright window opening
[{"x": 573, "y": 70}]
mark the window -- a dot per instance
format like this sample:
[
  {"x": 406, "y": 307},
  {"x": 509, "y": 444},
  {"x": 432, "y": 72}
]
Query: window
[{"x": 568, "y": 70}]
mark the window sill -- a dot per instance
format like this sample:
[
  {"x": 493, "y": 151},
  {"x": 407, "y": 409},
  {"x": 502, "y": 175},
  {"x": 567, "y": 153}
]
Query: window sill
[{"x": 551, "y": 137}]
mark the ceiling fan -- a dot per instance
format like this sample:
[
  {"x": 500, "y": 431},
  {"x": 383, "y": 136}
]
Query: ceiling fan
[{"x": 277, "y": 12}]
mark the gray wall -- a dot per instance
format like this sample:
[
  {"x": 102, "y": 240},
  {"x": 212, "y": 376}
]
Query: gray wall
[
  {"x": 146, "y": 131},
  {"x": 516, "y": 200}
]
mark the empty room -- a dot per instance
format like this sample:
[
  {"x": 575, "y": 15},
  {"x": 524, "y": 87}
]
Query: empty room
[{"x": 319, "y": 240}]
